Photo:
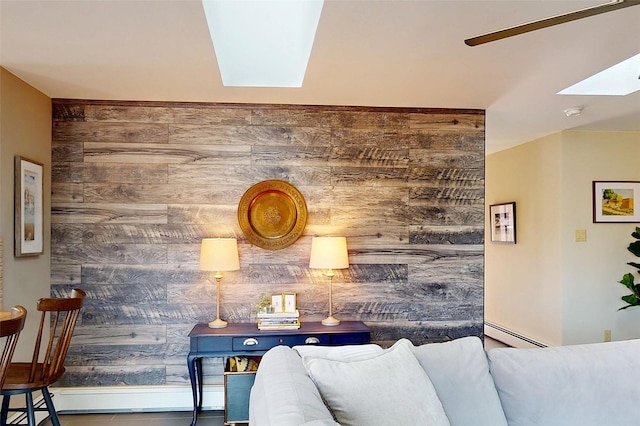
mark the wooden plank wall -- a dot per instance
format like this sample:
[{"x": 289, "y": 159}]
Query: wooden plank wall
[{"x": 137, "y": 185}]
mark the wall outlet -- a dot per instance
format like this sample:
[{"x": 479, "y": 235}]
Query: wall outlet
[
  {"x": 607, "y": 336},
  {"x": 581, "y": 235}
]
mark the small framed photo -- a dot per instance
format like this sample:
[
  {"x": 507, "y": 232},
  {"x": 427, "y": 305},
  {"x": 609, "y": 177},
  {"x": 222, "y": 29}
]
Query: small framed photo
[
  {"x": 276, "y": 302},
  {"x": 503, "y": 222},
  {"x": 614, "y": 201},
  {"x": 289, "y": 302},
  {"x": 28, "y": 208}
]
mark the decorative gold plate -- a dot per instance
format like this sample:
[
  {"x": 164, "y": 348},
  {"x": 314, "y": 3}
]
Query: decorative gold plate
[{"x": 272, "y": 214}]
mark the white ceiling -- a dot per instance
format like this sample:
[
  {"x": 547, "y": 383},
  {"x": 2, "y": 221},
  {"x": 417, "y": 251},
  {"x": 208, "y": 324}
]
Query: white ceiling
[{"x": 371, "y": 53}]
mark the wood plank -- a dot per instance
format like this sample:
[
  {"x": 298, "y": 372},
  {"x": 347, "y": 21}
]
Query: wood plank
[
  {"x": 110, "y": 132},
  {"x": 223, "y": 175},
  {"x": 442, "y": 196},
  {"x": 358, "y": 138},
  {"x": 108, "y": 213},
  {"x": 330, "y": 117},
  {"x": 121, "y": 254},
  {"x": 124, "y": 173},
  {"x": 248, "y": 135},
  {"x": 168, "y": 153},
  {"x": 293, "y": 155},
  {"x": 141, "y": 274},
  {"x": 448, "y": 177},
  {"x": 202, "y": 214},
  {"x": 451, "y": 122},
  {"x": 369, "y": 157},
  {"x": 123, "y": 335},
  {"x": 447, "y": 215},
  {"x": 160, "y": 193},
  {"x": 128, "y": 113},
  {"x": 211, "y": 114},
  {"x": 446, "y": 234},
  {"x": 66, "y": 112},
  {"x": 67, "y": 192},
  {"x": 67, "y": 151},
  {"x": 64, "y": 172},
  {"x": 369, "y": 176},
  {"x": 66, "y": 233},
  {"x": 113, "y": 375},
  {"x": 62, "y": 273},
  {"x": 150, "y": 233}
]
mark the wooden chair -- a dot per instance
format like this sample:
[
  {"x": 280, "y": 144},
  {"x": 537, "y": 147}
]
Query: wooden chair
[
  {"x": 11, "y": 324},
  {"x": 47, "y": 365}
]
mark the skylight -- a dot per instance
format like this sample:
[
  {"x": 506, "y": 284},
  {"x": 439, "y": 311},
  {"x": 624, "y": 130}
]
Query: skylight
[
  {"x": 262, "y": 43},
  {"x": 618, "y": 80}
]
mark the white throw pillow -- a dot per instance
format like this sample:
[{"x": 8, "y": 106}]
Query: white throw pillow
[
  {"x": 386, "y": 389},
  {"x": 340, "y": 353}
]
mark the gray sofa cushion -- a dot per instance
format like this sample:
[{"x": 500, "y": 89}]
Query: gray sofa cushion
[
  {"x": 459, "y": 372},
  {"x": 586, "y": 385},
  {"x": 284, "y": 395},
  {"x": 388, "y": 388}
]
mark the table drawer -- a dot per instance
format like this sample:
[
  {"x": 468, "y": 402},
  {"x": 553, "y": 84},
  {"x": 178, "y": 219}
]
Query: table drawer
[{"x": 264, "y": 343}]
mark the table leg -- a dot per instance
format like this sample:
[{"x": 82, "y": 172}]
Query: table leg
[{"x": 192, "y": 360}]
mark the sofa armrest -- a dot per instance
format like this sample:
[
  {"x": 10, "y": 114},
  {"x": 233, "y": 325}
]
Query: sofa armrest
[{"x": 283, "y": 394}]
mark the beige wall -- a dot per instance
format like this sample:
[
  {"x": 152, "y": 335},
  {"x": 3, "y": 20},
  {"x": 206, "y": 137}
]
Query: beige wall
[
  {"x": 25, "y": 130},
  {"x": 548, "y": 286},
  {"x": 525, "y": 295}
]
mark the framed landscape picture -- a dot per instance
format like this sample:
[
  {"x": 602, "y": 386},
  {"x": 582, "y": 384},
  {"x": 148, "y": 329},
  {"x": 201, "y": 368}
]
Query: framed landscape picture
[
  {"x": 614, "y": 201},
  {"x": 503, "y": 223},
  {"x": 28, "y": 208}
]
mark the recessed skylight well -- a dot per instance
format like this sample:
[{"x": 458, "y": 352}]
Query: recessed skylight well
[
  {"x": 619, "y": 80},
  {"x": 262, "y": 43}
]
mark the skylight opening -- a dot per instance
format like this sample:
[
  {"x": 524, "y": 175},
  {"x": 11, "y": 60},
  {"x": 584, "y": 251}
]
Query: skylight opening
[
  {"x": 619, "y": 80},
  {"x": 262, "y": 43}
]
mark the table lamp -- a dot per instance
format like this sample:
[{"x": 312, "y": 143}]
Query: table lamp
[
  {"x": 219, "y": 255},
  {"x": 329, "y": 253}
]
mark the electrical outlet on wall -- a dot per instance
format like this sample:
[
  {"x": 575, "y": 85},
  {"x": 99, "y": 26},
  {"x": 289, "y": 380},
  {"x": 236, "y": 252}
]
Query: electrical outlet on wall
[{"x": 607, "y": 336}]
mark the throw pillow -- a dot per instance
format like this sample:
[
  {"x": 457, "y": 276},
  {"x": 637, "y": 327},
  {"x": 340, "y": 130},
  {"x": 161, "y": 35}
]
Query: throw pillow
[
  {"x": 340, "y": 353},
  {"x": 388, "y": 389}
]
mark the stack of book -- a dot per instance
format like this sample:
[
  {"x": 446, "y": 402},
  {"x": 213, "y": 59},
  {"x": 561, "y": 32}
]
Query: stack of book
[{"x": 279, "y": 321}]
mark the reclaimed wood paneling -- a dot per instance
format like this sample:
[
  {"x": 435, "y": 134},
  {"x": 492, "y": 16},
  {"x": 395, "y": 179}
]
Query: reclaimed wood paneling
[{"x": 137, "y": 185}]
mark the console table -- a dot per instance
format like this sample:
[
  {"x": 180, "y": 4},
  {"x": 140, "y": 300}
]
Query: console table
[{"x": 245, "y": 339}]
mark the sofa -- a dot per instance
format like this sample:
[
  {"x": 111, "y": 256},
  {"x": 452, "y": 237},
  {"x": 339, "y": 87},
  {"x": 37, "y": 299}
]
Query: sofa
[{"x": 455, "y": 383}]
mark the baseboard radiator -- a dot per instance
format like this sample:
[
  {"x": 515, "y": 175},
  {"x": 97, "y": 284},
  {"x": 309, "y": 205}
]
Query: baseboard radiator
[
  {"x": 510, "y": 337},
  {"x": 112, "y": 399}
]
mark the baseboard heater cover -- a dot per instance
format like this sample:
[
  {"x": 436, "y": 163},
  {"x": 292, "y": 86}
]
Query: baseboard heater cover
[
  {"x": 510, "y": 337},
  {"x": 112, "y": 399}
]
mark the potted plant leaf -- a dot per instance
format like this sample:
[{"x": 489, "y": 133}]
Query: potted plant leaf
[{"x": 627, "y": 280}]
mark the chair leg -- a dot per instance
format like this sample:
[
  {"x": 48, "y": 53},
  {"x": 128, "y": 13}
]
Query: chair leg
[
  {"x": 31, "y": 415},
  {"x": 5, "y": 409},
  {"x": 52, "y": 410}
]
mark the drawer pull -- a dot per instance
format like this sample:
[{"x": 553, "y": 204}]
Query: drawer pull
[
  {"x": 311, "y": 341},
  {"x": 250, "y": 342}
]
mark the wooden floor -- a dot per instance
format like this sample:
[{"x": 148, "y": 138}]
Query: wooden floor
[{"x": 207, "y": 418}]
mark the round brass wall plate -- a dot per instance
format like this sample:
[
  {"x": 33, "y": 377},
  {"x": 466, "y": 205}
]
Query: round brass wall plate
[{"x": 272, "y": 214}]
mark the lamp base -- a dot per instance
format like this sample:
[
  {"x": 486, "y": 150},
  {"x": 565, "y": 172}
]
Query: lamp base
[
  {"x": 330, "y": 321},
  {"x": 217, "y": 323}
]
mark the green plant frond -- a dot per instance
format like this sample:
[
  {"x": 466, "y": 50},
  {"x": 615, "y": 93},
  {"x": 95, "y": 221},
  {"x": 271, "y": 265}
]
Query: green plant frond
[
  {"x": 627, "y": 281},
  {"x": 634, "y": 248},
  {"x": 636, "y": 235},
  {"x": 631, "y": 299},
  {"x": 635, "y": 265}
]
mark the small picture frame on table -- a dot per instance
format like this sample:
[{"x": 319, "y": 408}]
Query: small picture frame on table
[
  {"x": 289, "y": 302},
  {"x": 276, "y": 302},
  {"x": 503, "y": 223}
]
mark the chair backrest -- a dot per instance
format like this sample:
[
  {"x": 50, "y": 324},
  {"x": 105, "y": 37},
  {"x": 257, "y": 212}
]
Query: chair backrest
[
  {"x": 11, "y": 325},
  {"x": 48, "y": 366}
]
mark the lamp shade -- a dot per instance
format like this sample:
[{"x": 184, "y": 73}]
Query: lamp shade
[
  {"x": 219, "y": 254},
  {"x": 329, "y": 253}
]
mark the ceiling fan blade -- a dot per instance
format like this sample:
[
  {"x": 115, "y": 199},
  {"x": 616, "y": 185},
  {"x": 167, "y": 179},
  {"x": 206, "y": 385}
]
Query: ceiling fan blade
[{"x": 549, "y": 22}]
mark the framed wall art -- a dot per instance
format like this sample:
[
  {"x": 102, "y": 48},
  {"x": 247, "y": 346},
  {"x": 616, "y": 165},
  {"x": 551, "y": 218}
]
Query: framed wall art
[
  {"x": 503, "y": 222},
  {"x": 614, "y": 201},
  {"x": 28, "y": 232}
]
